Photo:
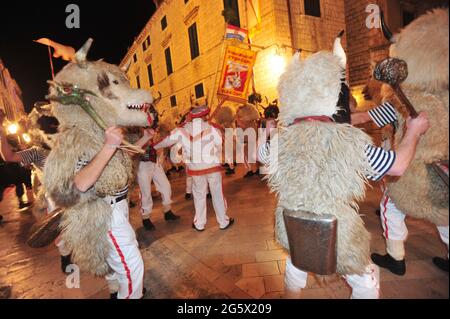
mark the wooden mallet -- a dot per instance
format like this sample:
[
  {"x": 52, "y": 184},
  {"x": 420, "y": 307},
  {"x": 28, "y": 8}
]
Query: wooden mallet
[{"x": 394, "y": 71}]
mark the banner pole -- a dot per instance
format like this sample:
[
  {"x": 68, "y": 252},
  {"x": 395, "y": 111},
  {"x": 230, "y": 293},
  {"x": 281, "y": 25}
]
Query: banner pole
[
  {"x": 253, "y": 72},
  {"x": 51, "y": 61},
  {"x": 215, "y": 85}
]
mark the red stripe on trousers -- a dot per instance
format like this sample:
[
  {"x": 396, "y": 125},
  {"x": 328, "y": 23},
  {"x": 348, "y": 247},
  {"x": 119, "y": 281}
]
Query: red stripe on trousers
[
  {"x": 122, "y": 258},
  {"x": 385, "y": 218}
]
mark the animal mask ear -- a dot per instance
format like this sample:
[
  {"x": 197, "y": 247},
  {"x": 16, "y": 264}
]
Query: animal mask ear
[
  {"x": 338, "y": 50},
  {"x": 126, "y": 67},
  {"x": 81, "y": 55}
]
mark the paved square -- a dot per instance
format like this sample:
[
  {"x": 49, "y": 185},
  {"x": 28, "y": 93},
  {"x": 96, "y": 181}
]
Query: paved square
[{"x": 241, "y": 262}]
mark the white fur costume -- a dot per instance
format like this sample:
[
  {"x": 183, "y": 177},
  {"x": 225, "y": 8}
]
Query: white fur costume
[
  {"x": 420, "y": 193},
  {"x": 95, "y": 224},
  {"x": 310, "y": 171}
]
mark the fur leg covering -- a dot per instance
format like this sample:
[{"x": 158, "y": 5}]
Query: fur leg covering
[
  {"x": 84, "y": 230},
  {"x": 366, "y": 286}
]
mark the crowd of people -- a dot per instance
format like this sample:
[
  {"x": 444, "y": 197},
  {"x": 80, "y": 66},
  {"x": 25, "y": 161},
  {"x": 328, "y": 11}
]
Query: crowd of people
[
  {"x": 203, "y": 180},
  {"x": 317, "y": 162}
]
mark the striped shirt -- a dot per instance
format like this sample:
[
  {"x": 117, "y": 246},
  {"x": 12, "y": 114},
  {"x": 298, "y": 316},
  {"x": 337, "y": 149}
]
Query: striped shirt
[
  {"x": 33, "y": 156},
  {"x": 379, "y": 159},
  {"x": 383, "y": 115},
  {"x": 81, "y": 163},
  {"x": 264, "y": 153}
]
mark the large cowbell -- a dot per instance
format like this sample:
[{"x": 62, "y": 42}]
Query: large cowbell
[{"x": 312, "y": 241}]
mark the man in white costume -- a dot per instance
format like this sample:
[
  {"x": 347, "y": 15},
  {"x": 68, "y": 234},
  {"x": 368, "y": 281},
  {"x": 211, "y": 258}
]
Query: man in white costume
[
  {"x": 150, "y": 169},
  {"x": 201, "y": 143}
]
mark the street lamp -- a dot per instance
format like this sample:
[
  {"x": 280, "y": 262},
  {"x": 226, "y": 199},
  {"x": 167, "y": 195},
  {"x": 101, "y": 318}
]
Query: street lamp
[
  {"x": 26, "y": 138},
  {"x": 13, "y": 128},
  {"x": 277, "y": 65}
]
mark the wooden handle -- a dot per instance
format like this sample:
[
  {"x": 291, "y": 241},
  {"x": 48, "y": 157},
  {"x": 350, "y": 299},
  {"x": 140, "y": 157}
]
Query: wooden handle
[
  {"x": 412, "y": 111},
  {"x": 131, "y": 148}
]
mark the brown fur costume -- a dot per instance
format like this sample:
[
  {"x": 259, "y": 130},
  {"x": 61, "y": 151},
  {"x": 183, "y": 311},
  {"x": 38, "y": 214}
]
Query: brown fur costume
[
  {"x": 225, "y": 117},
  {"x": 247, "y": 113},
  {"x": 86, "y": 220},
  {"x": 320, "y": 167},
  {"x": 424, "y": 46}
]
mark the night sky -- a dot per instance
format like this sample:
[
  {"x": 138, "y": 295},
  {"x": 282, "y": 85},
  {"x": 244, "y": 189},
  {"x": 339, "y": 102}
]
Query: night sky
[{"x": 112, "y": 24}]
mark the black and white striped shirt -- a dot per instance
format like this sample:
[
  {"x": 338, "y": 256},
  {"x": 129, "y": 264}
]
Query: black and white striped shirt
[
  {"x": 383, "y": 115},
  {"x": 380, "y": 160},
  {"x": 33, "y": 156},
  {"x": 264, "y": 153}
]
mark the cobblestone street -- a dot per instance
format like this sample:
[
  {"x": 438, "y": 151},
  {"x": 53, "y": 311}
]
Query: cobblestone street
[{"x": 242, "y": 262}]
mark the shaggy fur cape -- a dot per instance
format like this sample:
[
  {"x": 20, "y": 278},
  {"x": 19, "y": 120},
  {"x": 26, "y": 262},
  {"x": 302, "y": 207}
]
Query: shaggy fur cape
[
  {"x": 321, "y": 168},
  {"x": 87, "y": 216}
]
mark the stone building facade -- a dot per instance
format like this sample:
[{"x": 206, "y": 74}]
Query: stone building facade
[
  {"x": 278, "y": 26},
  {"x": 179, "y": 52}
]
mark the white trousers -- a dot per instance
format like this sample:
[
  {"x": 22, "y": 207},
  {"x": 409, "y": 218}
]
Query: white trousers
[
  {"x": 148, "y": 172},
  {"x": 392, "y": 220},
  {"x": 395, "y": 230},
  {"x": 200, "y": 189},
  {"x": 366, "y": 286},
  {"x": 189, "y": 182},
  {"x": 124, "y": 259}
]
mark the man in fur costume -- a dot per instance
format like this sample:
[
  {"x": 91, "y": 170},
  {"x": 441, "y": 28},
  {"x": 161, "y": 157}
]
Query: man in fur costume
[
  {"x": 87, "y": 172},
  {"x": 310, "y": 170},
  {"x": 420, "y": 192}
]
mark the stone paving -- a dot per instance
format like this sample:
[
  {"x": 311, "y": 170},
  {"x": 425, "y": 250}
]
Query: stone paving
[{"x": 243, "y": 262}]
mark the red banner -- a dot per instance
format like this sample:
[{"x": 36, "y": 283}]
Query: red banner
[{"x": 236, "y": 74}]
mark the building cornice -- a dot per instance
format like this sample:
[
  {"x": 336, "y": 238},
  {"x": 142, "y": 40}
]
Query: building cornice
[{"x": 144, "y": 32}]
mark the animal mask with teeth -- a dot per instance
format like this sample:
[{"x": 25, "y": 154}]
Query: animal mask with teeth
[{"x": 113, "y": 98}]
